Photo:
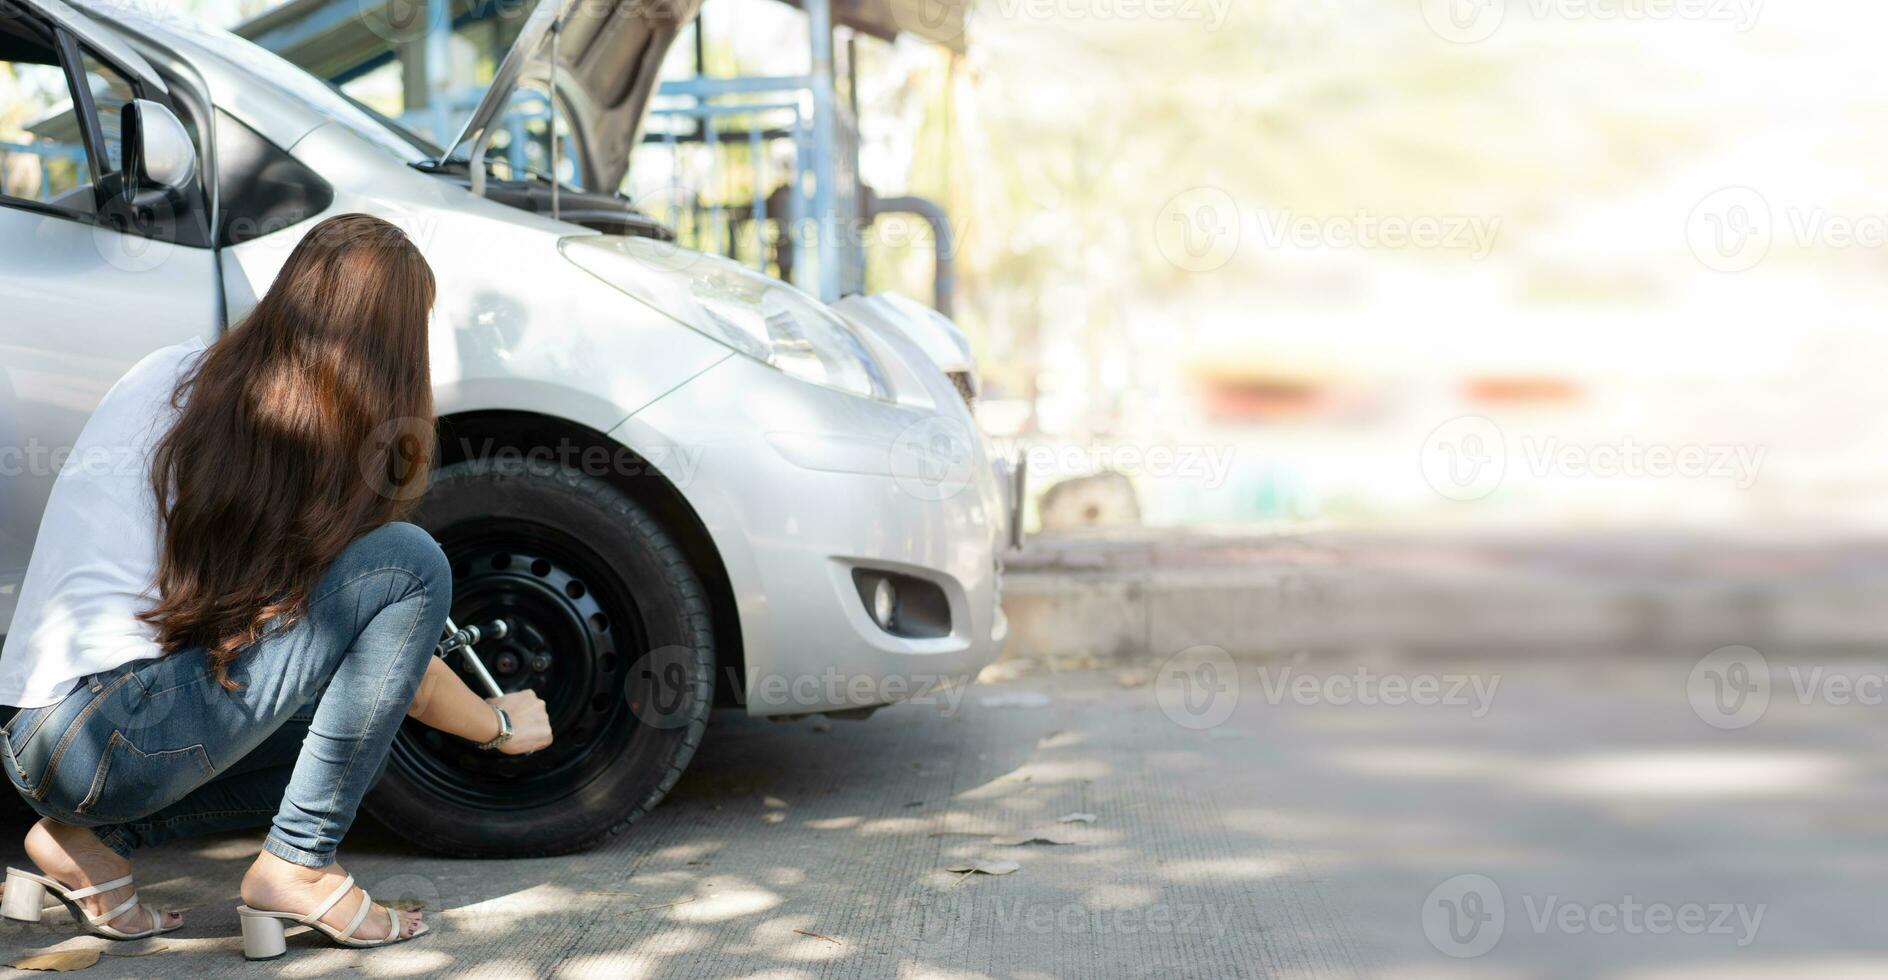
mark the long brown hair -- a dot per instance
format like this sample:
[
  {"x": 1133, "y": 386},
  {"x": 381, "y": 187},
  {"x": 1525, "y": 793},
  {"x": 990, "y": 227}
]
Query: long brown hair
[{"x": 304, "y": 427}]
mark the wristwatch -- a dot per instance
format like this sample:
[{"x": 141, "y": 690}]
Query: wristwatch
[{"x": 504, "y": 730}]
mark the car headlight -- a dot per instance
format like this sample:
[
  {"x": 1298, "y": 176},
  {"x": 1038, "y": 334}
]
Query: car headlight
[{"x": 761, "y": 317}]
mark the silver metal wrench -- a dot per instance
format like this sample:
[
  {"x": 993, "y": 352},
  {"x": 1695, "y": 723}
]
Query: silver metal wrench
[{"x": 462, "y": 640}]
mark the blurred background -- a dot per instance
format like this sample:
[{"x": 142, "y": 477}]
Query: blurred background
[
  {"x": 1506, "y": 324},
  {"x": 1361, "y": 327},
  {"x": 1531, "y": 343},
  {"x": 1283, "y": 245}
]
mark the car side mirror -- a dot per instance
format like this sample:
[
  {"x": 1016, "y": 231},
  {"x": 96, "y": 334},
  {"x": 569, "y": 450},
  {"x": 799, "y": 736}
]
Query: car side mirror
[{"x": 157, "y": 152}]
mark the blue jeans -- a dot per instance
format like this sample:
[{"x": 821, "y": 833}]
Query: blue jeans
[{"x": 157, "y": 749}]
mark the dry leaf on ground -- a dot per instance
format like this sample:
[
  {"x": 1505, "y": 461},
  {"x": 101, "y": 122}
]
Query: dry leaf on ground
[
  {"x": 985, "y": 866},
  {"x": 58, "y": 961},
  {"x": 1029, "y": 840}
]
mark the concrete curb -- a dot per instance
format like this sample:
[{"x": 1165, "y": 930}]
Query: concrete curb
[{"x": 1118, "y": 599}]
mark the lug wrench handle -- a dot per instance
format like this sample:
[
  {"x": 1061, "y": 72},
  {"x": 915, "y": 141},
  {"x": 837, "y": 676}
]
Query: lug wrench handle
[{"x": 463, "y": 640}]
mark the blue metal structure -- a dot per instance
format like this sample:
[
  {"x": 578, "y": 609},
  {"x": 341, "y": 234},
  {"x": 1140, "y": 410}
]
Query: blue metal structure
[{"x": 817, "y": 200}]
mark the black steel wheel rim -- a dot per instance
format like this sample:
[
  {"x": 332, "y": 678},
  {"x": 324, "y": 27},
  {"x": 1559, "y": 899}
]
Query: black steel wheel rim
[{"x": 574, "y": 635}]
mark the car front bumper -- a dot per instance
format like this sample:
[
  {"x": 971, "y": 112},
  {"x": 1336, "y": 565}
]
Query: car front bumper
[{"x": 799, "y": 486}]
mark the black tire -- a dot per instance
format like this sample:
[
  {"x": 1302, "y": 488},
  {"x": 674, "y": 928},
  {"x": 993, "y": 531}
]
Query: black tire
[{"x": 610, "y": 625}]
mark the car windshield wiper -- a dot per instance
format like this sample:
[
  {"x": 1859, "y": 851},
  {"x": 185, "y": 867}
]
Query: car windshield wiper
[{"x": 459, "y": 168}]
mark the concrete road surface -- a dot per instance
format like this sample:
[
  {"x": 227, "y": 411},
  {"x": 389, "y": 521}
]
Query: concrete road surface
[{"x": 1596, "y": 817}]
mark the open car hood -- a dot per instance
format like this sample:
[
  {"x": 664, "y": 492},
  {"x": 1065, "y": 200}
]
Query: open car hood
[{"x": 607, "y": 55}]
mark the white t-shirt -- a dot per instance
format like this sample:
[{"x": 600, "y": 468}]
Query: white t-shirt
[{"x": 94, "y": 564}]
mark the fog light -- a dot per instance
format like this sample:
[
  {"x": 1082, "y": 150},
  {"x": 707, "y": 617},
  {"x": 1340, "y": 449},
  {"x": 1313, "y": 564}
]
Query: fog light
[
  {"x": 903, "y": 605},
  {"x": 884, "y": 603}
]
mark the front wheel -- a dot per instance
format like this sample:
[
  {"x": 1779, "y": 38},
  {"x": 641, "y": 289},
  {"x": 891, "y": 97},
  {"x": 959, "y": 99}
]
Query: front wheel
[{"x": 603, "y": 617}]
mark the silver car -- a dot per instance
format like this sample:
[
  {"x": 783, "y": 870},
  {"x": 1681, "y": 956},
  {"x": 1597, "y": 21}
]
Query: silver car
[{"x": 665, "y": 481}]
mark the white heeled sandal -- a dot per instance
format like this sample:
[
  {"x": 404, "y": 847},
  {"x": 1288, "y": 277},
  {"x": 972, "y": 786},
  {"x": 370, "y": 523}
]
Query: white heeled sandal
[
  {"x": 264, "y": 932},
  {"x": 25, "y": 901}
]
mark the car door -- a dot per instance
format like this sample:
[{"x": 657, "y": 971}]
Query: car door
[{"x": 86, "y": 287}]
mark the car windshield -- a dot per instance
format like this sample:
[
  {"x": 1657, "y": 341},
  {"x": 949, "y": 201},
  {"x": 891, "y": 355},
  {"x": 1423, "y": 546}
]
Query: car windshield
[
  {"x": 528, "y": 159},
  {"x": 520, "y": 149},
  {"x": 432, "y": 151},
  {"x": 297, "y": 84}
]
